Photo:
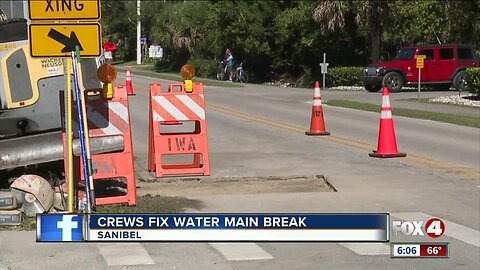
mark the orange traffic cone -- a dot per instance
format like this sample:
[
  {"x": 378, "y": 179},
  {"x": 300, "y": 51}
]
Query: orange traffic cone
[
  {"x": 387, "y": 143},
  {"x": 317, "y": 124},
  {"x": 129, "y": 83}
]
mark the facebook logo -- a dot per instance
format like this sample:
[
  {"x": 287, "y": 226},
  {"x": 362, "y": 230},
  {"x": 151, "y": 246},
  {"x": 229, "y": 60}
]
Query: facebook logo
[{"x": 59, "y": 228}]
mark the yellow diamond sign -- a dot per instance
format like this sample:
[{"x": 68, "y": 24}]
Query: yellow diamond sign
[
  {"x": 58, "y": 40},
  {"x": 64, "y": 9}
]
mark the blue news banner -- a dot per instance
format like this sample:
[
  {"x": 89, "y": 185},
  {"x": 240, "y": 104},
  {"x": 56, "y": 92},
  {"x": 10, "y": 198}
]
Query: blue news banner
[{"x": 214, "y": 227}]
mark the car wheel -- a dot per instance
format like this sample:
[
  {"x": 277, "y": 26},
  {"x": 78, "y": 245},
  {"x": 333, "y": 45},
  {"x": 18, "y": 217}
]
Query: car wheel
[
  {"x": 372, "y": 87},
  {"x": 459, "y": 82},
  {"x": 393, "y": 81}
]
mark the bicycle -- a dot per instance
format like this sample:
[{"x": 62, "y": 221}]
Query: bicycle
[{"x": 240, "y": 75}]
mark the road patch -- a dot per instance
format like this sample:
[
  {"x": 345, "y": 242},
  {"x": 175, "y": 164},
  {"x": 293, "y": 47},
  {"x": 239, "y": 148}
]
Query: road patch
[{"x": 235, "y": 185}]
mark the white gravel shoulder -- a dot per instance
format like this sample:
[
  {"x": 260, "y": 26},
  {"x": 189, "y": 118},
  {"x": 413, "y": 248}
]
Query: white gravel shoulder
[
  {"x": 456, "y": 99},
  {"x": 465, "y": 99}
]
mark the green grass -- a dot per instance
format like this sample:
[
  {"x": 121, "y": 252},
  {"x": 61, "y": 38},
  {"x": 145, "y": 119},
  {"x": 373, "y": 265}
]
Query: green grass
[
  {"x": 124, "y": 63},
  {"x": 149, "y": 70},
  {"x": 427, "y": 100},
  {"x": 462, "y": 120}
]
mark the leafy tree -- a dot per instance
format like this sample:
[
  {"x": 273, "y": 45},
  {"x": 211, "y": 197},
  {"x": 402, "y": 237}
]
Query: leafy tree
[
  {"x": 119, "y": 22},
  {"x": 246, "y": 27},
  {"x": 176, "y": 26},
  {"x": 287, "y": 39},
  {"x": 338, "y": 14},
  {"x": 433, "y": 22}
]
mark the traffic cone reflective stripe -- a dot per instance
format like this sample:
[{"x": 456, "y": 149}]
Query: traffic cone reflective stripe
[
  {"x": 129, "y": 83},
  {"x": 317, "y": 123},
  {"x": 387, "y": 142},
  {"x": 386, "y": 101}
]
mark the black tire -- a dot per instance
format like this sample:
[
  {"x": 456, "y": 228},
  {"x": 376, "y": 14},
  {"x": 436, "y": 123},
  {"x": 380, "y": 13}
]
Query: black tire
[
  {"x": 372, "y": 87},
  {"x": 393, "y": 81},
  {"x": 459, "y": 81},
  {"x": 243, "y": 78}
]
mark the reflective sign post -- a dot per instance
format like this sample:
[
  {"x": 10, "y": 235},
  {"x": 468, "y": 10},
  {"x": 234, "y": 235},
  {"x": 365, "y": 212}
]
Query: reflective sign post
[
  {"x": 323, "y": 67},
  {"x": 420, "y": 65}
]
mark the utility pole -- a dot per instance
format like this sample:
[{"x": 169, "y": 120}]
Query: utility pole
[{"x": 139, "y": 33}]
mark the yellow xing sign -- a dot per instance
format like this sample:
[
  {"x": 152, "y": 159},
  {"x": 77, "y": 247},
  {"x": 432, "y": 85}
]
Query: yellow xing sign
[{"x": 64, "y": 9}]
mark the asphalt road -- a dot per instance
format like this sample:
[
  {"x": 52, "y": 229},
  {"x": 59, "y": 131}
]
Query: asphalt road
[
  {"x": 258, "y": 131},
  {"x": 453, "y": 144}
]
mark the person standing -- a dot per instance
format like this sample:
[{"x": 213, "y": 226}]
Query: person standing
[{"x": 229, "y": 62}]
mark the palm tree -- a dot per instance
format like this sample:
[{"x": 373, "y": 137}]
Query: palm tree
[{"x": 333, "y": 13}]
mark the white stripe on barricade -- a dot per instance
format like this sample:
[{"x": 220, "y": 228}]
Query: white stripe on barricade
[
  {"x": 170, "y": 108},
  {"x": 99, "y": 120},
  {"x": 120, "y": 110},
  {"x": 192, "y": 105}
]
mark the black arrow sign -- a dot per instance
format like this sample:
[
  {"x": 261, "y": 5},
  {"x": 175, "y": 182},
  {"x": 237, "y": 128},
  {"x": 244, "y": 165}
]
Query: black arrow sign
[{"x": 69, "y": 42}]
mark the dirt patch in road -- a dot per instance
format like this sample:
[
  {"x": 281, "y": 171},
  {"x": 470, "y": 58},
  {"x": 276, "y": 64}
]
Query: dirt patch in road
[
  {"x": 170, "y": 195},
  {"x": 197, "y": 186}
]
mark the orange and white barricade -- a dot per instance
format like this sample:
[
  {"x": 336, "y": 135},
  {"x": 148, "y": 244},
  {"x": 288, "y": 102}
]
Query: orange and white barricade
[
  {"x": 177, "y": 131},
  {"x": 110, "y": 145}
]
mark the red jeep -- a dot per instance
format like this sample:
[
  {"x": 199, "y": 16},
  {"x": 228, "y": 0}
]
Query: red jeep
[{"x": 444, "y": 66}]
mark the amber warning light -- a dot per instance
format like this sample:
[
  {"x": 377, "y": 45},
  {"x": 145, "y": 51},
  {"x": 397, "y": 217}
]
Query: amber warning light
[
  {"x": 187, "y": 72},
  {"x": 107, "y": 73}
]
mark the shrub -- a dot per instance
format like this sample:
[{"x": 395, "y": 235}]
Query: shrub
[
  {"x": 205, "y": 68},
  {"x": 344, "y": 76},
  {"x": 163, "y": 65},
  {"x": 473, "y": 80},
  {"x": 306, "y": 80},
  {"x": 336, "y": 76}
]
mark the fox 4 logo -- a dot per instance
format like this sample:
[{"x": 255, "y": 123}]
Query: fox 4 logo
[{"x": 433, "y": 227}]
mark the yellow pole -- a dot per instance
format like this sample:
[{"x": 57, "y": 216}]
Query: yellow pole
[{"x": 71, "y": 188}]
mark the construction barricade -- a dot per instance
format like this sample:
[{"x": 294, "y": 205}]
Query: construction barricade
[
  {"x": 110, "y": 145},
  {"x": 177, "y": 131}
]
